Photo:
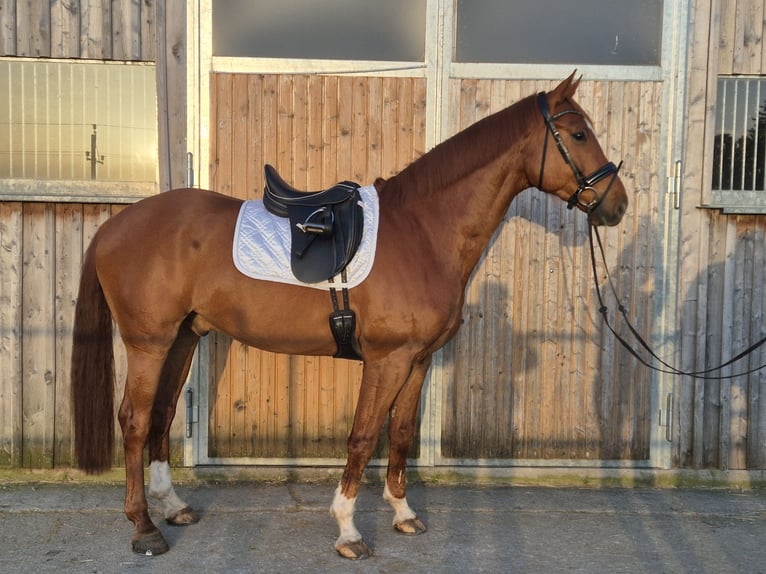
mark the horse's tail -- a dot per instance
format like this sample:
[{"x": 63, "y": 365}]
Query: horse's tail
[{"x": 92, "y": 372}]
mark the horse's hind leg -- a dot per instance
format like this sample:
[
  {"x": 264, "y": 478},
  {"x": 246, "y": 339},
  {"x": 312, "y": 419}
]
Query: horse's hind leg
[
  {"x": 135, "y": 419},
  {"x": 174, "y": 372},
  {"x": 401, "y": 429}
]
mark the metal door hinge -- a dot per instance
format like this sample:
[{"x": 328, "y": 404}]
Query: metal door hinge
[
  {"x": 666, "y": 417},
  {"x": 189, "y": 397},
  {"x": 675, "y": 184},
  {"x": 189, "y": 169}
]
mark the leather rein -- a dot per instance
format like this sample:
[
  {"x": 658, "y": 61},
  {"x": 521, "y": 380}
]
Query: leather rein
[
  {"x": 666, "y": 367},
  {"x": 583, "y": 182}
]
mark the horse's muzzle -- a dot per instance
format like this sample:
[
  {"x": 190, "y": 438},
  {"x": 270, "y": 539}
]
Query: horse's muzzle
[{"x": 610, "y": 212}]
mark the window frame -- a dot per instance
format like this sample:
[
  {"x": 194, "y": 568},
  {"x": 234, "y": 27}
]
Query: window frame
[
  {"x": 80, "y": 190},
  {"x": 734, "y": 201}
]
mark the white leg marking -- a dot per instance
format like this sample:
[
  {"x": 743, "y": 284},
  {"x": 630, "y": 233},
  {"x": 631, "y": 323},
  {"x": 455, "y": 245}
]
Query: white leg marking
[
  {"x": 161, "y": 488},
  {"x": 343, "y": 510},
  {"x": 402, "y": 510}
]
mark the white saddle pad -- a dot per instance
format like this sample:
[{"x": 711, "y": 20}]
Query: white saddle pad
[{"x": 262, "y": 245}]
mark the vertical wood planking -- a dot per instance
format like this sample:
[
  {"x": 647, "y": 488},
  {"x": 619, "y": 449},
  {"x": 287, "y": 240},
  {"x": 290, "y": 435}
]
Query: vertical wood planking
[
  {"x": 38, "y": 342},
  {"x": 69, "y": 249},
  {"x": 741, "y": 304},
  {"x": 169, "y": 54},
  {"x": 740, "y": 36},
  {"x": 756, "y": 444},
  {"x": 707, "y": 24},
  {"x": 237, "y": 175},
  {"x": 23, "y": 44},
  {"x": 94, "y": 29},
  {"x": 65, "y": 29},
  {"x": 11, "y": 322},
  {"x": 42, "y": 247},
  {"x": 8, "y": 28},
  {"x": 91, "y": 43}
]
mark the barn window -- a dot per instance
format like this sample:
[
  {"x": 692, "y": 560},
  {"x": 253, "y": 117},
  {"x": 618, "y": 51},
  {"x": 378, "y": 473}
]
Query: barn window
[
  {"x": 739, "y": 145},
  {"x": 599, "y": 32},
  {"x": 327, "y": 30},
  {"x": 66, "y": 121}
]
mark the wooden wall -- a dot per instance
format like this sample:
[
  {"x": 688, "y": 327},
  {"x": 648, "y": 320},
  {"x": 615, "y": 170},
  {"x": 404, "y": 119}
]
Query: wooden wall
[
  {"x": 41, "y": 244},
  {"x": 546, "y": 362},
  {"x": 41, "y": 247},
  {"x": 720, "y": 423},
  {"x": 94, "y": 29}
]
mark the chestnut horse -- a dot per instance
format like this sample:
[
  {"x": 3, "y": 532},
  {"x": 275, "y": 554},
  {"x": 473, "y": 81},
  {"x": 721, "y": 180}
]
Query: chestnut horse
[{"x": 162, "y": 270}]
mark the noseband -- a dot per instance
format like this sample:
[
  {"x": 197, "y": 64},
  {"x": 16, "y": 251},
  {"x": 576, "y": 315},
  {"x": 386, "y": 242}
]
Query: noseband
[{"x": 583, "y": 182}]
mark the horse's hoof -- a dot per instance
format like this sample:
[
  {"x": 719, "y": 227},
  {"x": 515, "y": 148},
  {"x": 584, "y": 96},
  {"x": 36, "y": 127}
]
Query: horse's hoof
[
  {"x": 151, "y": 544},
  {"x": 183, "y": 517},
  {"x": 411, "y": 527},
  {"x": 357, "y": 550}
]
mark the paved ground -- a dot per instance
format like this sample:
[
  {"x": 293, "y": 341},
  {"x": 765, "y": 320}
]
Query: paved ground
[{"x": 286, "y": 528}]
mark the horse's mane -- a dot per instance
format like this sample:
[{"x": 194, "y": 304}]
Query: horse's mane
[{"x": 465, "y": 152}]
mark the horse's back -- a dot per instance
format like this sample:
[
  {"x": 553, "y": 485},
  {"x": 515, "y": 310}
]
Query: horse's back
[
  {"x": 189, "y": 204},
  {"x": 172, "y": 215}
]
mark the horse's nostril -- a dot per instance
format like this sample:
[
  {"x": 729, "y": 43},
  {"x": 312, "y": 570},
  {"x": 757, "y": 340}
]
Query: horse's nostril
[{"x": 619, "y": 212}]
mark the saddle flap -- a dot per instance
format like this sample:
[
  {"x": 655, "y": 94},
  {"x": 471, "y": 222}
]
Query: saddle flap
[{"x": 316, "y": 257}]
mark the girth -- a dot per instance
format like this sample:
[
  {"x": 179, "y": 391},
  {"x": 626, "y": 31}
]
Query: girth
[{"x": 326, "y": 226}]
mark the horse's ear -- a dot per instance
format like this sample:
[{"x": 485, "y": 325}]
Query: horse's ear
[{"x": 566, "y": 89}]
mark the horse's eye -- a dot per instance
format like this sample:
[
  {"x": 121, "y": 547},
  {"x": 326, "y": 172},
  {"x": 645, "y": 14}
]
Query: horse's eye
[{"x": 579, "y": 136}]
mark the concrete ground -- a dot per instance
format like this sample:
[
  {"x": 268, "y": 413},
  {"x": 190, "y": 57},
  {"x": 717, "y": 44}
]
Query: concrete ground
[{"x": 286, "y": 528}]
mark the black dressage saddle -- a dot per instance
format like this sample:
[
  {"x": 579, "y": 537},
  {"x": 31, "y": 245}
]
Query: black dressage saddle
[{"x": 326, "y": 226}]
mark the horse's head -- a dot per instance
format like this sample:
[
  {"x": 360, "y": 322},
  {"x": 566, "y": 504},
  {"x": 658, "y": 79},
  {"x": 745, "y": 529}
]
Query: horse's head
[{"x": 571, "y": 163}]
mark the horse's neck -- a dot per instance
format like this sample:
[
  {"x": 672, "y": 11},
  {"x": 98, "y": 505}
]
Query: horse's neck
[{"x": 458, "y": 221}]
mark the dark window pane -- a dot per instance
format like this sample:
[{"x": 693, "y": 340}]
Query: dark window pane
[
  {"x": 602, "y": 32},
  {"x": 331, "y": 29}
]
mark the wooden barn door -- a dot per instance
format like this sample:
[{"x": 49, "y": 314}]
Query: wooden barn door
[
  {"x": 533, "y": 374},
  {"x": 316, "y": 130}
]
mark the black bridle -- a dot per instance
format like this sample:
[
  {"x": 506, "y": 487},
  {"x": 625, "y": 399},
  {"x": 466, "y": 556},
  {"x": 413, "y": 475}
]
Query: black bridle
[{"x": 583, "y": 183}]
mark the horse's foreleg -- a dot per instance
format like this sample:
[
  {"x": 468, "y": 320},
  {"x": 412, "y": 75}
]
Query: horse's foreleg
[
  {"x": 174, "y": 372},
  {"x": 135, "y": 420},
  {"x": 401, "y": 429},
  {"x": 381, "y": 382}
]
